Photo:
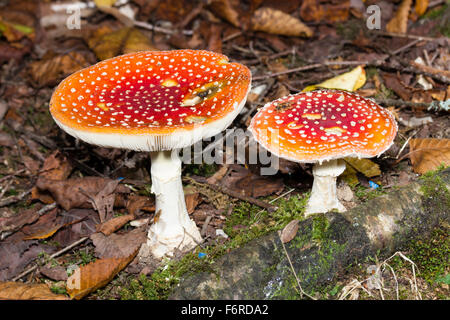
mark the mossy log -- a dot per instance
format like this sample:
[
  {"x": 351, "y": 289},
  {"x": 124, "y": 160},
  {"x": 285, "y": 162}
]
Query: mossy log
[{"x": 324, "y": 245}]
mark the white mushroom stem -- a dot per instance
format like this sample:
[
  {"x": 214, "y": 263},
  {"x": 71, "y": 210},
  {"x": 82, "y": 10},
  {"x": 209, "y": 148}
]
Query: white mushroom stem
[
  {"x": 173, "y": 228},
  {"x": 323, "y": 195}
]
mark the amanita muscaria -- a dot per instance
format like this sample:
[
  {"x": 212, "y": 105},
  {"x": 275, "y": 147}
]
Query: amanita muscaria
[
  {"x": 158, "y": 101},
  {"x": 322, "y": 127}
]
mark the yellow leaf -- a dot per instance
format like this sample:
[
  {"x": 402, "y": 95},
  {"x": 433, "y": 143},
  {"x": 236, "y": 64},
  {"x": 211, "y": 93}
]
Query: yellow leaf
[
  {"x": 399, "y": 23},
  {"x": 104, "y": 3},
  {"x": 350, "y": 176},
  {"x": 350, "y": 81},
  {"x": 421, "y": 6},
  {"x": 365, "y": 166},
  {"x": 22, "y": 291},
  {"x": 428, "y": 154}
]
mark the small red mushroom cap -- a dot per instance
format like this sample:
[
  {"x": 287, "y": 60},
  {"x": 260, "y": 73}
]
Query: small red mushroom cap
[
  {"x": 324, "y": 125},
  {"x": 151, "y": 101}
]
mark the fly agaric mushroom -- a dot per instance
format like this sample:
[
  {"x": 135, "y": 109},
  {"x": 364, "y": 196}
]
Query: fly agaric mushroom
[
  {"x": 158, "y": 101},
  {"x": 322, "y": 127}
]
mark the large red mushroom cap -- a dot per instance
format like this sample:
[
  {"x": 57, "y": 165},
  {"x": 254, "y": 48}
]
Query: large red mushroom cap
[
  {"x": 323, "y": 125},
  {"x": 151, "y": 101}
]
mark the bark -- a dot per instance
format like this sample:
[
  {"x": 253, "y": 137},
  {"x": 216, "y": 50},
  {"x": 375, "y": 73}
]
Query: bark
[{"x": 324, "y": 245}]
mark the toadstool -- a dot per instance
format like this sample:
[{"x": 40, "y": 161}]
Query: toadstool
[
  {"x": 322, "y": 127},
  {"x": 155, "y": 101}
]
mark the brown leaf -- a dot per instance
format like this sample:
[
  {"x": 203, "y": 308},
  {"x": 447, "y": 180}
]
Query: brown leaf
[
  {"x": 118, "y": 245},
  {"x": 52, "y": 67},
  {"x": 226, "y": 10},
  {"x": 289, "y": 231},
  {"x": 399, "y": 24},
  {"x": 16, "y": 254},
  {"x": 332, "y": 12},
  {"x": 392, "y": 82},
  {"x": 107, "y": 43},
  {"x": 245, "y": 182},
  {"x": 429, "y": 153},
  {"x": 23, "y": 291},
  {"x": 48, "y": 232},
  {"x": 57, "y": 273},
  {"x": 192, "y": 200},
  {"x": 114, "y": 224},
  {"x": 136, "y": 203},
  {"x": 55, "y": 167},
  {"x": 67, "y": 192},
  {"x": 277, "y": 22},
  {"x": 95, "y": 275},
  {"x": 103, "y": 201},
  {"x": 14, "y": 223}
]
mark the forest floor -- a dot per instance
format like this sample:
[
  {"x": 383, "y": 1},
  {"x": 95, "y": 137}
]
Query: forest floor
[{"x": 48, "y": 225}]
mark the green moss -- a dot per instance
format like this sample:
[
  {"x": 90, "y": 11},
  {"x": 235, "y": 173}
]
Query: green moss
[
  {"x": 319, "y": 228},
  {"x": 204, "y": 170},
  {"x": 432, "y": 255},
  {"x": 440, "y": 13},
  {"x": 433, "y": 186},
  {"x": 365, "y": 194}
]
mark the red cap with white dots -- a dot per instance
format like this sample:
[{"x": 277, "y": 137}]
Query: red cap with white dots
[
  {"x": 324, "y": 125},
  {"x": 152, "y": 101}
]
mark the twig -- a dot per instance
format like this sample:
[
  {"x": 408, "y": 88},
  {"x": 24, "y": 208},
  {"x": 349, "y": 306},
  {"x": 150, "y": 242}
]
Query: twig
[
  {"x": 377, "y": 63},
  {"x": 51, "y": 257},
  {"x": 205, "y": 226},
  {"x": 404, "y": 35},
  {"x": 233, "y": 194},
  {"x": 13, "y": 199},
  {"x": 293, "y": 270},
  {"x": 399, "y": 103},
  {"x": 272, "y": 201},
  {"x": 404, "y": 145}
]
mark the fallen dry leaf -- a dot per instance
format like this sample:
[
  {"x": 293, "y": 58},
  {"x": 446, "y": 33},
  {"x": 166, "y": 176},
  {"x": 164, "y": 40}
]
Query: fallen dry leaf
[
  {"x": 22, "y": 291},
  {"x": 277, "y": 22},
  {"x": 47, "y": 233},
  {"x": 53, "y": 67},
  {"x": 289, "y": 231},
  {"x": 399, "y": 23},
  {"x": 192, "y": 200},
  {"x": 225, "y": 10},
  {"x": 67, "y": 192},
  {"x": 242, "y": 180},
  {"x": 330, "y": 12},
  {"x": 350, "y": 81},
  {"x": 365, "y": 166},
  {"x": 421, "y": 6},
  {"x": 137, "y": 203},
  {"x": 428, "y": 154},
  {"x": 118, "y": 245},
  {"x": 103, "y": 201},
  {"x": 107, "y": 43},
  {"x": 55, "y": 167},
  {"x": 14, "y": 223},
  {"x": 104, "y": 3},
  {"x": 57, "y": 273},
  {"x": 114, "y": 224},
  {"x": 95, "y": 275},
  {"x": 115, "y": 252},
  {"x": 349, "y": 176}
]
